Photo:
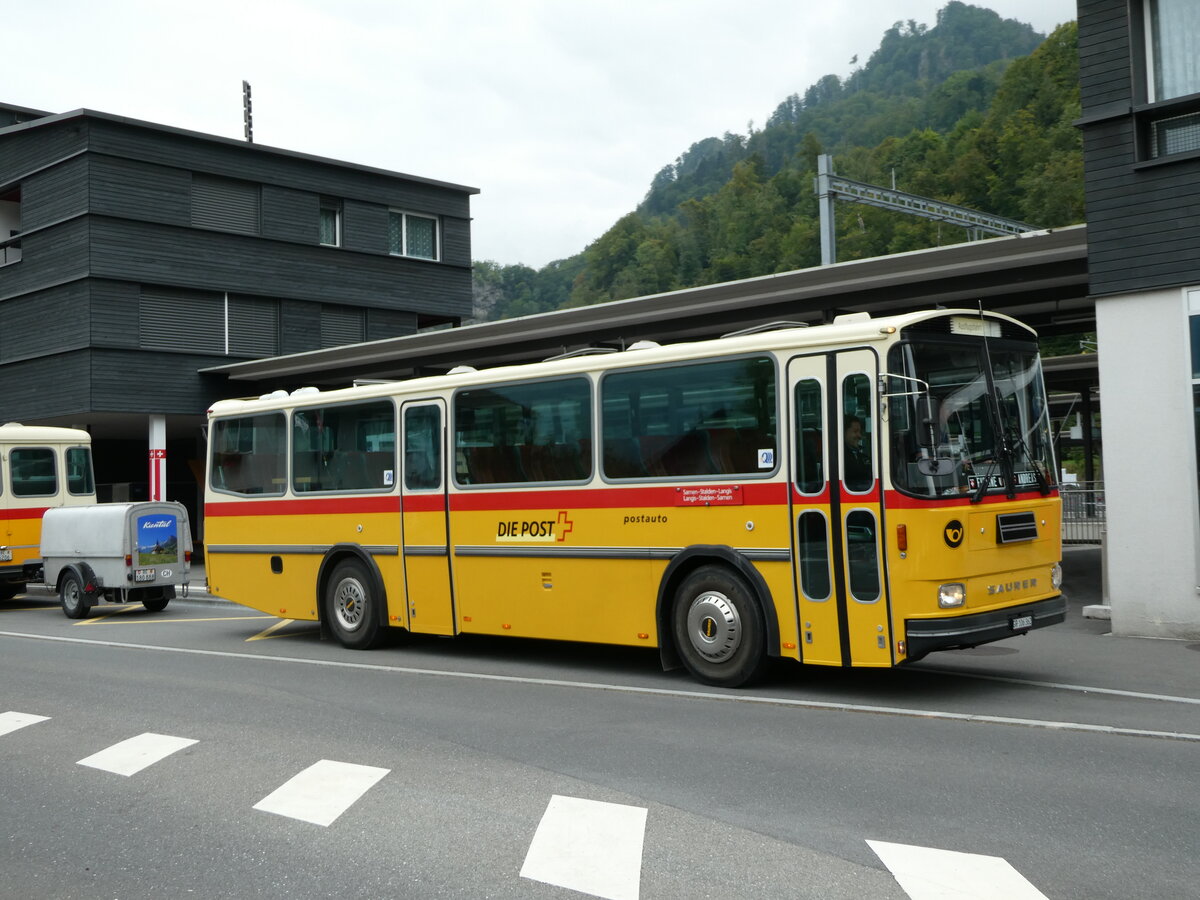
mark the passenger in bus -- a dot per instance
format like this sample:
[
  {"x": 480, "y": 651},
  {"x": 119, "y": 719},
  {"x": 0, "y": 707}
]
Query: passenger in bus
[{"x": 857, "y": 475}]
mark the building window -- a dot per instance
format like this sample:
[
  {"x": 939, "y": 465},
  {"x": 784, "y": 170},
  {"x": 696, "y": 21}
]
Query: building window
[
  {"x": 1171, "y": 36},
  {"x": 341, "y": 325},
  {"x": 410, "y": 234},
  {"x": 225, "y": 204},
  {"x": 331, "y": 222},
  {"x": 10, "y": 226},
  {"x": 1171, "y": 123},
  {"x": 208, "y": 322}
]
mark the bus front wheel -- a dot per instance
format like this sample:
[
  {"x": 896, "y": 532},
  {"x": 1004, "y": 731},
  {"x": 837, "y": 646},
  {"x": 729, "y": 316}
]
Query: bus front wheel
[
  {"x": 350, "y": 605},
  {"x": 718, "y": 628}
]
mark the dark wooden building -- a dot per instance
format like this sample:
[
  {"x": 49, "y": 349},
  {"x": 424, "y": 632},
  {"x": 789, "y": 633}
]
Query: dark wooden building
[
  {"x": 133, "y": 255},
  {"x": 1139, "y": 64}
]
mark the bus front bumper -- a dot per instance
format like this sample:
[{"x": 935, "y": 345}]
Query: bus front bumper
[{"x": 958, "y": 632}]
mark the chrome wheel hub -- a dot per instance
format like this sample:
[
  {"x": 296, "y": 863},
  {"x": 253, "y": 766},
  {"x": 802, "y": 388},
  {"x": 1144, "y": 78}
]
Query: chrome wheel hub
[
  {"x": 714, "y": 627},
  {"x": 349, "y": 603}
]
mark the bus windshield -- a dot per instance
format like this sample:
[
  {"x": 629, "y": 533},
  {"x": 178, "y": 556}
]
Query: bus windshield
[{"x": 960, "y": 436}]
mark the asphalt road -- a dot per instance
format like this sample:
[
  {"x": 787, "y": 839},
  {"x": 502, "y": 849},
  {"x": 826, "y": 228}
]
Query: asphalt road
[{"x": 493, "y": 768}]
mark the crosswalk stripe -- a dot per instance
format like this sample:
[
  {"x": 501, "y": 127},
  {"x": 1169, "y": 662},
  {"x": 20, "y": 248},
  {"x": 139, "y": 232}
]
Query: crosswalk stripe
[
  {"x": 588, "y": 846},
  {"x": 130, "y": 756},
  {"x": 322, "y": 792},
  {"x": 12, "y": 721},
  {"x": 929, "y": 874}
]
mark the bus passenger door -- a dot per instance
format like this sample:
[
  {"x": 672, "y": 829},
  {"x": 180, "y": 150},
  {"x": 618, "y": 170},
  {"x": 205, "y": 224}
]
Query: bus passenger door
[
  {"x": 809, "y": 505},
  {"x": 856, "y": 507},
  {"x": 425, "y": 541}
]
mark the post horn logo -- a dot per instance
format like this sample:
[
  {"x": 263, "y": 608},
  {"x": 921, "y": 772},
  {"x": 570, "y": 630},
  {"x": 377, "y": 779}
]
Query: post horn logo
[{"x": 953, "y": 533}]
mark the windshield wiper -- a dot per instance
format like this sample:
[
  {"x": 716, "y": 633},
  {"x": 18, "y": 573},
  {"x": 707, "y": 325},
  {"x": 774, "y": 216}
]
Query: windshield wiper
[
  {"x": 1021, "y": 447},
  {"x": 1002, "y": 450}
]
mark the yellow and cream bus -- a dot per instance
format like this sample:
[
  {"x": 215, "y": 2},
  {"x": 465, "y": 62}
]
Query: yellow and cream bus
[
  {"x": 40, "y": 467},
  {"x": 853, "y": 494}
]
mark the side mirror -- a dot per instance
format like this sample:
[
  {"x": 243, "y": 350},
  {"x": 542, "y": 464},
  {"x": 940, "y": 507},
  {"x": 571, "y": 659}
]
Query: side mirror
[{"x": 928, "y": 420}]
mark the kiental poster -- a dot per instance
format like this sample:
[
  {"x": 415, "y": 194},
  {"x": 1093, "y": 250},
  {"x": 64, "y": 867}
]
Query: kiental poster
[{"x": 157, "y": 539}]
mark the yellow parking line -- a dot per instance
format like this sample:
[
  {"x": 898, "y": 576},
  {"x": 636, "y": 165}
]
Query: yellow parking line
[
  {"x": 116, "y": 611},
  {"x": 159, "y": 620},
  {"x": 267, "y": 633}
]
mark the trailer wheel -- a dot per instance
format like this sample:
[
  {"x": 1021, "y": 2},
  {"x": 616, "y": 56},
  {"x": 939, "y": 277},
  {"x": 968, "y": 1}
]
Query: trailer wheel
[
  {"x": 156, "y": 604},
  {"x": 71, "y": 596},
  {"x": 8, "y": 591},
  {"x": 350, "y": 606}
]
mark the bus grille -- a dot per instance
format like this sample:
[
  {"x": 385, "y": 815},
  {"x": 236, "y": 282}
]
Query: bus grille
[{"x": 1013, "y": 527}]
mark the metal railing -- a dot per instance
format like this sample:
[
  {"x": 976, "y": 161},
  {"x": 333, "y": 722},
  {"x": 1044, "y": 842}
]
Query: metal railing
[{"x": 1083, "y": 512}]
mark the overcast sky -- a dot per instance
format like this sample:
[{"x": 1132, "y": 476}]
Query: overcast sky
[{"x": 559, "y": 111}]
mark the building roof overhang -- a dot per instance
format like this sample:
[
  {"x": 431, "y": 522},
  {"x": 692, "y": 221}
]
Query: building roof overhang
[{"x": 1039, "y": 277}]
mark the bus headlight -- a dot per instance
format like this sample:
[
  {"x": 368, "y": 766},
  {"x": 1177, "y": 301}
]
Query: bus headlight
[
  {"x": 951, "y": 595},
  {"x": 1056, "y": 576}
]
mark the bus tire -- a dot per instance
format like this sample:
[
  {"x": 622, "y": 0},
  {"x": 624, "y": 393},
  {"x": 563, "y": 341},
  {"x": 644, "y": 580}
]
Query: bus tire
[
  {"x": 718, "y": 627},
  {"x": 350, "y": 605},
  {"x": 71, "y": 596}
]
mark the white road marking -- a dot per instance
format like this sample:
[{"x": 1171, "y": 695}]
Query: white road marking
[
  {"x": 322, "y": 792},
  {"x": 730, "y": 697},
  {"x": 131, "y": 756},
  {"x": 12, "y": 721},
  {"x": 588, "y": 846},
  {"x": 929, "y": 874}
]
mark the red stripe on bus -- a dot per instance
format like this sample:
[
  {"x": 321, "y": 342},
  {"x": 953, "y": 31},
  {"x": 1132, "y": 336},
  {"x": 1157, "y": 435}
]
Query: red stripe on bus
[
  {"x": 304, "y": 506},
  {"x": 658, "y": 496},
  {"x": 28, "y": 513},
  {"x": 761, "y": 494},
  {"x": 897, "y": 500}
]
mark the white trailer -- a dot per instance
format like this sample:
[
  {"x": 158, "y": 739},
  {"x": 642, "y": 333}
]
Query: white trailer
[{"x": 118, "y": 552}]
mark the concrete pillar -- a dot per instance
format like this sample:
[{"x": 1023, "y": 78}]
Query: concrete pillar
[
  {"x": 158, "y": 458},
  {"x": 825, "y": 206}
]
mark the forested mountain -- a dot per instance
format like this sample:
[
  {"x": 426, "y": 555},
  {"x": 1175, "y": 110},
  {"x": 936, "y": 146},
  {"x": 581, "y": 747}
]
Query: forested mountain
[{"x": 976, "y": 110}]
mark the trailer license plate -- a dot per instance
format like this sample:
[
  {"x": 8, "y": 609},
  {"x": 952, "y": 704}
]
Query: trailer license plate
[
  {"x": 1020, "y": 623},
  {"x": 5, "y": 554},
  {"x": 143, "y": 574}
]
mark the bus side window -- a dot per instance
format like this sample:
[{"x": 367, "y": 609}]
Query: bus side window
[
  {"x": 422, "y": 448},
  {"x": 810, "y": 469},
  {"x": 33, "y": 472}
]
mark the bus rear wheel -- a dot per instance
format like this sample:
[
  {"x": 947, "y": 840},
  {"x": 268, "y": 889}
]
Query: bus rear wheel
[
  {"x": 350, "y": 605},
  {"x": 718, "y": 628}
]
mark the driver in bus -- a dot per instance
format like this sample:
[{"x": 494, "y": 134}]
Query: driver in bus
[{"x": 857, "y": 475}]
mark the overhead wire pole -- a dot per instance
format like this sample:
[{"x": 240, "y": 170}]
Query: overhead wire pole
[{"x": 829, "y": 188}]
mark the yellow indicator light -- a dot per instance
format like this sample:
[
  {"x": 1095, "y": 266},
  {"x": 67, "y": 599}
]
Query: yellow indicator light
[
  {"x": 643, "y": 636},
  {"x": 788, "y": 645},
  {"x": 506, "y": 627},
  {"x": 466, "y": 618},
  {"x": 902, "y": 537}
]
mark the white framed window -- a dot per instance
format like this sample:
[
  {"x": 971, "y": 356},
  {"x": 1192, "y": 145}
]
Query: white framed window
[
  {"x": 330, "y": 222},
  {"x": 412, "y": 234},
  {"x": 1172, "y": 48}
]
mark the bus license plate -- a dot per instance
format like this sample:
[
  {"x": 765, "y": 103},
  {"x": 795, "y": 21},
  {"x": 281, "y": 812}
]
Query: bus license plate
[
  {"x": 143, "y": 574},
  {"x": 5, "y": 554},
  {"x": 1021, "y": 623}
]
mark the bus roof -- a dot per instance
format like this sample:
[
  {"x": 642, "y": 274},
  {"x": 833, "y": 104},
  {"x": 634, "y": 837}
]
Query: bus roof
[
  {"x": 16, "y": 433},
  {"x": 848, "y": 329}
]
